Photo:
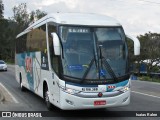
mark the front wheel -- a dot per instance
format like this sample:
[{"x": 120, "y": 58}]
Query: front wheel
[{"x": 46, "y": 98}]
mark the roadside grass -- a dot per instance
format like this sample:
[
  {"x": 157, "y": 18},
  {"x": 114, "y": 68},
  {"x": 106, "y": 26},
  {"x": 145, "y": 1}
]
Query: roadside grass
[
  {"x": 151, "y": 79},
  {"x": 11, "y": 62}
]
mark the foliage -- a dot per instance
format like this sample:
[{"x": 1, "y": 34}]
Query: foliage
[
  {"x": 150, "y": 51},
  {"x": 1, "y": 9},
  {"x": 39, "y": 14},
  {"x": 7, "y": 41},
  {"x": 23, "y": 18},
  {"x": 10, "y": 28},
  {"x": 21, "y": 15},
  {"x": 151, "y": 79},
  {"x": 36, "y": 15}
]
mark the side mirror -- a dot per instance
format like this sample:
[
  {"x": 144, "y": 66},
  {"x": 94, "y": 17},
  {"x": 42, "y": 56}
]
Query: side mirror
[
  {"x": 136, "y": 44},
  {"x": 56, "y": 44}
]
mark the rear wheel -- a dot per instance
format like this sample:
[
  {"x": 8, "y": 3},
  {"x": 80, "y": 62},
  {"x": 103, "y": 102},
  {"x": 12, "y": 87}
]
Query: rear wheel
[
  {"x": 46, "y": 98},
  {"x": 21, "y": 84}
]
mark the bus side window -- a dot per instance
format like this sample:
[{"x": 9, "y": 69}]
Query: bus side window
[{"x": 53, "y": 57}]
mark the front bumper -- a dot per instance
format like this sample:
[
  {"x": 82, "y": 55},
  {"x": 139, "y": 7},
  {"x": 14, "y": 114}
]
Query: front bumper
[
  {"x": 70, "y": 102},
  {"x": 3, "y": 68}
]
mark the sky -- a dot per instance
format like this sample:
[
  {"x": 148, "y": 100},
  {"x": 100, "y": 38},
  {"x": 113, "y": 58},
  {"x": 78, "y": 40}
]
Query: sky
[{"x": 136, "y": 16}]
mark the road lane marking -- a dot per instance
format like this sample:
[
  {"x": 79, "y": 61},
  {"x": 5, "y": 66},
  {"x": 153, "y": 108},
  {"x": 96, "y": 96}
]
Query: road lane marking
[
  {"x": 146, "y": 94},
  {"x": 15, "y": 100}
]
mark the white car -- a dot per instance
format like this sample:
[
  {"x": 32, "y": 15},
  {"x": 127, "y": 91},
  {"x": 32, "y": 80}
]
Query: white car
[{"x": 3, "y": 65}]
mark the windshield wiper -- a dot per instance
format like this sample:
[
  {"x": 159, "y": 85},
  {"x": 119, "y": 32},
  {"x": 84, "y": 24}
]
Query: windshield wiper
[
  {"x": 101, "y": 62},
  {"x": 95, "y": 59},
  {"x": 88, "y": 69},
  {"x": 109, "y": 69},
  {"x": 106, "y": 65}
]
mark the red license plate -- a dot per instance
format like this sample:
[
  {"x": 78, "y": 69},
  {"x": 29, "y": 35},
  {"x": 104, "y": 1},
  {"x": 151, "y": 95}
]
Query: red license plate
[{"x": 99, "y": 102}]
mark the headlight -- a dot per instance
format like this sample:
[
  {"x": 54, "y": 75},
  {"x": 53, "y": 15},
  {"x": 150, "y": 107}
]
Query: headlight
[
  {"x": 5, "y": 66},
  {"x": 124, "y": 89},
  {"x": 69, "y": 90}
]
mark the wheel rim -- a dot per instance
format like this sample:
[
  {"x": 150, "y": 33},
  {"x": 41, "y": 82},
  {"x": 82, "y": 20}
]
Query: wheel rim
[{"x": 47, "y": 96}]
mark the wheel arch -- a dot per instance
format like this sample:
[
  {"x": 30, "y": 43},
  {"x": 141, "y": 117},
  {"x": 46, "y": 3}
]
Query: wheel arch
[
  {"x": 45, "y": 84},
  {"x": 20, "y": 77}
]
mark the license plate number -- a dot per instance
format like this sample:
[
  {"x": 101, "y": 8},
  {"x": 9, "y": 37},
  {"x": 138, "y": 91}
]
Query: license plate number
[
  {"x": 90, "y": 89},
  {"x": 96, "y": 103}
]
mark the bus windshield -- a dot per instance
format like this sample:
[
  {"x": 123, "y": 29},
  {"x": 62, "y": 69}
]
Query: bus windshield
[{"x": 93, "y": 53}]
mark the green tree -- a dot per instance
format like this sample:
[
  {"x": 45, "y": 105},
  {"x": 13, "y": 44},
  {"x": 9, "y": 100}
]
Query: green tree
[
  {"x": 150, "y": 43},
  {"x": 1, "y": 9},
  {"x": 32, "y": 16},
  {"x": 39, "y": 14},
  {"x": 36, "y": 15},
  {"x": 21, "y": 16},
  {"x": 7, "y": 39},
  {"x": 150, "y": 51},
  {"x": 10, "y": 28}
]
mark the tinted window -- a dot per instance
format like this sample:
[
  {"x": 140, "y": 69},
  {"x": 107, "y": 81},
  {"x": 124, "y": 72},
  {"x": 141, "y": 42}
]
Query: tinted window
[
  {"x": 32, "y": 41},
  {"x": 1, "y": 62},
  {"x": 54, "y": 59},
  {"x": 36, "y": 40},
  {"x": 21, "y": 44}
]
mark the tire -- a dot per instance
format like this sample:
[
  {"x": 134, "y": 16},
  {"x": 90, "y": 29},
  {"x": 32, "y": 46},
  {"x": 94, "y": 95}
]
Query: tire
[
  {"x": 21, "y": 85},
  {"x": 46, "y": 98}
]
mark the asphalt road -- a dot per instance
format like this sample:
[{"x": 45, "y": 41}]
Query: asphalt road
[{"x": 145, "y": 96}]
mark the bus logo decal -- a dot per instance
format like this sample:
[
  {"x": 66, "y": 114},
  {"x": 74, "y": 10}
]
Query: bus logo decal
[
  {"x": 111, "y": 86},
  {"x": 29, "y": 64}
]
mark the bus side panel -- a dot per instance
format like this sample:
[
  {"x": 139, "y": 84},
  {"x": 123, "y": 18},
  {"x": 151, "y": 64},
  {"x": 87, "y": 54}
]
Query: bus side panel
[
  {"x": 36, "y": 70},
  {"x": 20, "y": 68},
  {"x": 55, "y": 90},
  {"x": 52, "y": 83},
  {"x": 29, "y": 65},
  {"x": 17, "y": 71}
]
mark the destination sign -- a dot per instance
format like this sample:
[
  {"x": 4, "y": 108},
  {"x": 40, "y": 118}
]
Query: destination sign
[{"x": 78, "y": 30}]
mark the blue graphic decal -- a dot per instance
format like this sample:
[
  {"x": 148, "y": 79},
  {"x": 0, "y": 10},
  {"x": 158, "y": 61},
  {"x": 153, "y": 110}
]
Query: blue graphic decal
[
  {"x": 30, "y": 71},
  {"x": 102, "y": 73},
  {"x": 75, "y": 68},
  {"x": 26, "y": 61},
  {"x": 124, "y": 83},
  {"x": 111, "y": 87}
]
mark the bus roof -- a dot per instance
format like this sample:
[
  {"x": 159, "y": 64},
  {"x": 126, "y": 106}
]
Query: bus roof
[{"x": 88, "y": 19}]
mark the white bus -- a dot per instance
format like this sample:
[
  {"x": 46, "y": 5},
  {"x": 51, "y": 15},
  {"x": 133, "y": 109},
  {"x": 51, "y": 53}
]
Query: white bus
[{"x": 75, "y": 61}]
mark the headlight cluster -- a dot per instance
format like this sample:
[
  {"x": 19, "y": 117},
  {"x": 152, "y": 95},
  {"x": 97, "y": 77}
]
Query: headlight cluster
[
  {"x": 124, "y": 89},
  {"x": 69, "y": 90},
  {"x": 5, "y": 66}
]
